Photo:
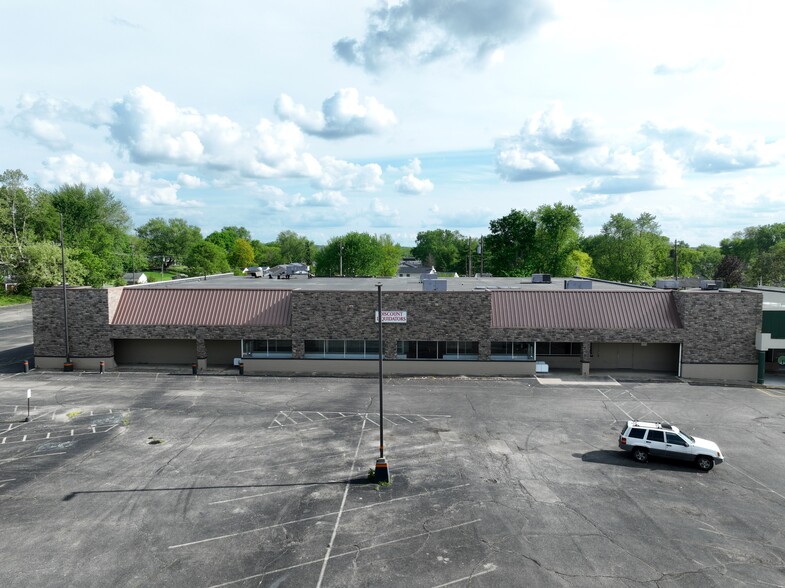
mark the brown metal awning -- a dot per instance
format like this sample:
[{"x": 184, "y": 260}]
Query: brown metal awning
[
  {"x": 219, "y": 307},
  {"x": 584, "y": 310}
]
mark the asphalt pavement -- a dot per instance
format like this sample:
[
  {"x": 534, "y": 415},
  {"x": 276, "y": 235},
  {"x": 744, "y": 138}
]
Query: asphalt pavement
[{"x": 151, "y": 479}]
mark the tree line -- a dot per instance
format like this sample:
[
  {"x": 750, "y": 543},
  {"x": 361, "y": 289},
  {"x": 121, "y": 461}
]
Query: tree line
[{"x": 101, "y": 245}]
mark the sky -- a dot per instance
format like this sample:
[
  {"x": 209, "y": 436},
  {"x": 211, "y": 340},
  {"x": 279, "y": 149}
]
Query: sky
[{"x": 400, "y": 117}]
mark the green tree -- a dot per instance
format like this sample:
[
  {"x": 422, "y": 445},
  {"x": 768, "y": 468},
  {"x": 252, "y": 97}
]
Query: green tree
[
  {"x": 363, "y": 255},
  {"x": 94, "y": 222},
  {"x": 769, "y": 266},
  {"x": 266, "y": 254},
  {"x": 511, "y": 247},
  {"x": 709, "y": 258},
  {"x": 627, "y": 250},
  {"x": 581, "y": 264},
  {"x": 242, "y": 254},
  {"x": 206, "y": 258},
  {"x": 42, "y": 267},
  {"x": 294, "y": 248},
  {"x": 227, "y": 237},
  {"x": 17, "y": 203},
  {"x": 169, "y": 241},
  {"x": 557, "y": 235},
  {"x": 445, "y": 250}
]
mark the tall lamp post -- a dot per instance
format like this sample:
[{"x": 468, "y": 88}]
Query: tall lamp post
[
  {"x": 67, "y": 366},
  {"x": 382, "y": 472}
]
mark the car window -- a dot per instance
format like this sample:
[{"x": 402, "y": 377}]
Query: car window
[
  {"x": 656, "y": 436},
  {"x": 675, "y": 439},
  {"x": 637, "y": 433}
]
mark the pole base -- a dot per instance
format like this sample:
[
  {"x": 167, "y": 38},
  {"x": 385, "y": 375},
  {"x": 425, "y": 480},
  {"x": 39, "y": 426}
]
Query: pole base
[{"x": 382, "y": 473}]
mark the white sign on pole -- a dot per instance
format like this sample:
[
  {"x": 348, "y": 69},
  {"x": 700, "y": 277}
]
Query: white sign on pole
[
  {"x": 29, "y": 392},
  {"x": 391, "y": 316}
]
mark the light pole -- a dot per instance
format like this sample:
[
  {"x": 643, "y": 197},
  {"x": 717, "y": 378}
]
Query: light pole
[
  {"x": 67, "y": 366},
  {"x": 382, "y": 472}
]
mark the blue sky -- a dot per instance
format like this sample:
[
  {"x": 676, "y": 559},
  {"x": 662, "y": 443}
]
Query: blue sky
[{"x": 398, "y": 117}]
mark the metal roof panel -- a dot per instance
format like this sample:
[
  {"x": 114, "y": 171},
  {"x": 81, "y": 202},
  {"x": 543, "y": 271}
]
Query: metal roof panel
[
  {"x": 575, "y": 309},
  {"x": 139, "y": 306}
]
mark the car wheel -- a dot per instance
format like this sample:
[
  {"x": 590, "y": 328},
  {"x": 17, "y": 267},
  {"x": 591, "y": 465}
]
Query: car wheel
[
  {"x": 704, "y": 462},
  {"x": 640, "y": 455}
]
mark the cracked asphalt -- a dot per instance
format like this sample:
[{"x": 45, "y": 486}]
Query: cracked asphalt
[{"x": 166, "y": 479}]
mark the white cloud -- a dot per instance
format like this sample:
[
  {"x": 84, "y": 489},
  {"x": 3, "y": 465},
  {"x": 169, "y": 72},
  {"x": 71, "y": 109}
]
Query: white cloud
[
  {"x": 149, "y": 191},
  {"x": 700, "y": 65},
  {"x": 141, "y": 187},
  {"x": 423, "y": 31},
  {"x": 41, "y": 118},
  {"x": 328, "y": 198},
  {"x": 72, "y": 169},
  {"x": 343, "y": 175},
  {"x": 654, "y": 157},
  {"x": 152, "y": 129},
  {"x": 343, "y": 115},
  {"x": 410, "y": 184},
  {"x": 710, "y": 151},
  {"x": 189, "y": 181}
]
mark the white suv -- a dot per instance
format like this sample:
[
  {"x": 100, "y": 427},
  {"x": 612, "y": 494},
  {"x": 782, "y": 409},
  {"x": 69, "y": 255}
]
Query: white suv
[{"x": 664, "y": 440}]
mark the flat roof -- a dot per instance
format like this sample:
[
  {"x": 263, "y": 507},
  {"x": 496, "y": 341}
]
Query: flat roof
[{"x": 394, "y": 284}]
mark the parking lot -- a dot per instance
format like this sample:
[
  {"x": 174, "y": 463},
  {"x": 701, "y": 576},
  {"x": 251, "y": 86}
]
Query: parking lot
[{"x": 166, "y": 479}]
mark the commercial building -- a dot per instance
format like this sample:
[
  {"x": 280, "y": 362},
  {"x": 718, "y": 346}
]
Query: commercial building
[{"x": 468, "y": 326}]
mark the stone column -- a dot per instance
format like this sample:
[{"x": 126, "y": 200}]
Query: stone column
[
  {"x": 585, "y": 357},
  {"x": 201, "y": 353}
]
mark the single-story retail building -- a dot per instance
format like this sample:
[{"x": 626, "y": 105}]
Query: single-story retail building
[{"x": 466, "y": 326}]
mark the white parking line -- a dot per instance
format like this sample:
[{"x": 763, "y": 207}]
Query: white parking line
[
  {"x": 253, "y": 496},
  {"x": 355, "y": 551},
  {"x": 321, "y": 516},
  {"x": 488, "y": 569},
  {"x": 340, "y": 511}
]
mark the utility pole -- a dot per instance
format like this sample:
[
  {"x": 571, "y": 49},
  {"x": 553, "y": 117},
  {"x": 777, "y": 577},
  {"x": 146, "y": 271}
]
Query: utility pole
[
  {"x": 469, "y": 274},
  {"x": 67, "y": 366},
  {"x": 381, "y": 473}
]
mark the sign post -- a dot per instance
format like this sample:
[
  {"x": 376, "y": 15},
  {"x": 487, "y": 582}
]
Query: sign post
[
  {"x": 29, "y": 393},
  {"x": 381, "y": 473}
]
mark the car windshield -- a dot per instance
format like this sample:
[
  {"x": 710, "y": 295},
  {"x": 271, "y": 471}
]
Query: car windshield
[{"x": 688, "y": 437}]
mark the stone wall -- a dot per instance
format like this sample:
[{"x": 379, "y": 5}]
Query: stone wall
[
  {"x": 719, "y": 326},
  {"x": 88, "y": 323},
  {"x": 454, "y": 316}
]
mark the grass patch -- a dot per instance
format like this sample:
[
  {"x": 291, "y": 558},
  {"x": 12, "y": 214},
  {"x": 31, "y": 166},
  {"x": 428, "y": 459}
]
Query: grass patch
[
  {"x": 13, "y": 299},
  {"x": 154, "y": 441},
  {"x": 73, "y": 413}
]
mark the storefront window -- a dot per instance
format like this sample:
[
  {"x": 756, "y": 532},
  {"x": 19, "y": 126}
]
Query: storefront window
[
  {"x": 341, "y": 349},
  {"x": 267, "y": 348},
  {"x": 512, "y": 350},
  {"x": 463, "y": 350}
]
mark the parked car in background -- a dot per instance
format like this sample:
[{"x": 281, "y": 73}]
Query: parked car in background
[{"x": 643, "y": 439}]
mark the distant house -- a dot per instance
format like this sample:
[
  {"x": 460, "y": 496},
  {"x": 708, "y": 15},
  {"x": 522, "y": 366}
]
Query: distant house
[
  {"x": 410, "y": 267},
  {"x": 135, "y": 278}
]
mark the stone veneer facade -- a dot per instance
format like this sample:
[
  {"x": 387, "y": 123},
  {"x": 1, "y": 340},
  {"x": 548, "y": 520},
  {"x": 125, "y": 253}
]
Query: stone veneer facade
[{"x": 717, "y": 338}]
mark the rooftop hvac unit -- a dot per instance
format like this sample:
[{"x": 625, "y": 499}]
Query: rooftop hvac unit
[
  {"x": 541, "y": 278},
  {"x": 434, "y": 285},
  {"x": 577, "y": 285},
  {"x": 667, "y": 284},
  {"x": 711, "y": 284}
]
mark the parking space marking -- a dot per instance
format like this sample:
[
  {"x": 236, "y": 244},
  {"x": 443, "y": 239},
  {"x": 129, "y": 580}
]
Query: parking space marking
[
  {"x": 343, "y": 504},
  {"x": 395, "y": 419},
  {"x": 321, "y": 516},
  {"x": 560, "y": 382},
  {"x": 357, "y": 550},
  {"x": 252, "y": 496},
  {"x": 758, "y": 482},
  {"x": 636, "y": 401},
  {"x": 88, "y": 430},
  {"x": 489, "y": 567}
]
